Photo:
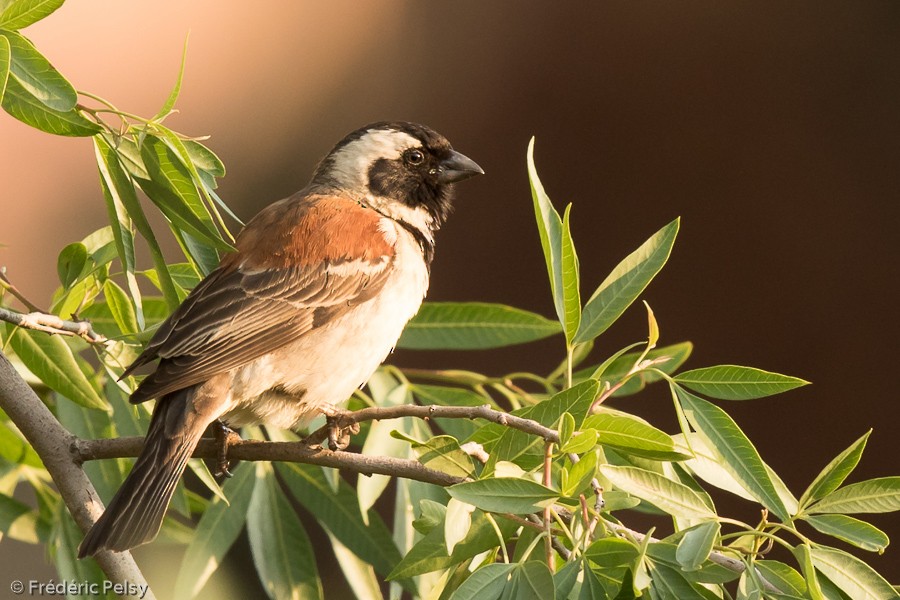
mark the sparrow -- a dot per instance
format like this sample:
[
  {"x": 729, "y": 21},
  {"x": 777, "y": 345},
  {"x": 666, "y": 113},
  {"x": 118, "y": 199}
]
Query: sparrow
[{"x": 315, "y": 297}]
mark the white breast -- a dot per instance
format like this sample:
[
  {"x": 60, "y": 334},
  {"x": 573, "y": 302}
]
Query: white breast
[{"x": 324, "y": 367}]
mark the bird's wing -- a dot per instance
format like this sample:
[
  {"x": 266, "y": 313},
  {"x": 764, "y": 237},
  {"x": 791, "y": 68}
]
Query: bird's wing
[{"x": 280, "y": 285}]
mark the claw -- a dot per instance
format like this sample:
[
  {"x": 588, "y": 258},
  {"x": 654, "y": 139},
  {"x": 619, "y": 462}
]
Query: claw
[
  {"x": 339, "y": 430},
  {"x": 225, "y": 436}
]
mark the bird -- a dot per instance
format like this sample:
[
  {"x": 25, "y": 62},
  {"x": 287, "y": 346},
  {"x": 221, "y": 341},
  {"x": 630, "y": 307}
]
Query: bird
[{"x": 290, "y": 324}]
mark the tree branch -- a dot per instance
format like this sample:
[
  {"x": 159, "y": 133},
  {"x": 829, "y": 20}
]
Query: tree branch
[
  {"x": 52, "y": 324},
  {"x": 53, "y": 444}
]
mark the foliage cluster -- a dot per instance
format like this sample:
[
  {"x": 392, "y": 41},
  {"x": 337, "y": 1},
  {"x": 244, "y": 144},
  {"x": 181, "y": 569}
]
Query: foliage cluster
[{"x": 535, "y": 518}]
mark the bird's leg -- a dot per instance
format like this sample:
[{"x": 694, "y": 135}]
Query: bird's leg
[
  {"x": 225, "y": 436},
  {"x": 341, "y": 426}
]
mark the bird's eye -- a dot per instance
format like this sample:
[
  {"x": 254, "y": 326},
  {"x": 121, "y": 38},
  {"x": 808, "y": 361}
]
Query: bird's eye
[{"x": 414, "y": 157}]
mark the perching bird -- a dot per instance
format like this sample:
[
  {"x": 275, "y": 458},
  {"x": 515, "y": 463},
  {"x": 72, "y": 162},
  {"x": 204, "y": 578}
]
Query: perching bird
[{"x": 288, "y": 326}]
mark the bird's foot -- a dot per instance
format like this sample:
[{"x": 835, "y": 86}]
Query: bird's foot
[
  {"x": 225, "y": 437},
  {"x": 340, "y": 427}
]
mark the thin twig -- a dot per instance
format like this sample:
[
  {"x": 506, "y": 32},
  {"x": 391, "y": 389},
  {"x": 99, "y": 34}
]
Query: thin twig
[
  {"x": 47, "y": 323},
  {"x": 12, "y": 289}
]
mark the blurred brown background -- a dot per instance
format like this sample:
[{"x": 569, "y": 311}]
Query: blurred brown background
[{"x": 772, "y": 128}]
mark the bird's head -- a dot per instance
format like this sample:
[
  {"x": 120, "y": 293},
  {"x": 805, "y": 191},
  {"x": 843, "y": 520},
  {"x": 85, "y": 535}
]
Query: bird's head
[{"x": 403, "y": 170}]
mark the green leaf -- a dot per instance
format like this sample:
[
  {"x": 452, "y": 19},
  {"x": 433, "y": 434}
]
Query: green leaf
[
  {"x": 28, "y": 109},
  {"x": 19, "y": 14},
  {"x": 630, "y": 435},
  {"x": 581, "y": 442},
  {"x": 550, "y": 231},
  {"x": 204, "y": 158},
  {"x": 15, "y": 450},
  {"x": 121, "y": 307},
  {"x": 870, "y": 496},
  {"x": 519, "y": 447},
  {"x": 782, "y": 576},
  {"x": 834, "y": 474},
  {"x": 338, "y": 512},
  {"x": 441, "y": 453},
  {"x": 853, "y": 531},
  {"x": 51, "y": 359},
  {"x": 675, "y": 498},
  {"x": 731, "y": 382},
  {"x": 504, "y": 495},
  {"x": 473, "y": 326},
  {"x": 696, "y": 544},
  {"x": 612, "y": 552},
  {"x": 486, "y": 583},
  {"x": 580, "y": 474},
  {"x": 457, "y": 522},
  {"x": 804, "y": 558},
  {"x": 216, "y": 532},
  {"x": 284, "y": 558},
  {"x": 4, "y": 64},
  {"x": 172, "y": 190},
  {"x": 36, "y": 75},
  {"x": 72, "y": 263},
  {"x": 569, "y": 285},
  {"x": 566, "y": 428},
  {"x": 119, "y": 194},
  {"x": 169, "y": 104},
  {"x": 735, "y": 451},
  {"x": 667, "y": 582},
  {"x": 626, "y": 282},
  {"x": 854, "y": 577},
  {"x": 531, "y": 580}
]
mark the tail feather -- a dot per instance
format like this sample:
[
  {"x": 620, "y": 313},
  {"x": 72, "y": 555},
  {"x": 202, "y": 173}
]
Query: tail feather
[{"x": 135, "y": 513}]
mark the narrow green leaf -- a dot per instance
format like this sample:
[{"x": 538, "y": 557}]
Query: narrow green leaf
[
  {"x": 4, "y": 64},
  {"x": 36, "y": 75},
  {"x": 122, "y": 308},
  {"x": 566, "y": 428},
  {"x": 696, "y": 544},
  {"x": 870, "y": 496},
  {"x": 854, "y": 577},
  {"x": 486, "y": 583},
  {"x": 581, "y": 442},
  {"x": 666, "y": 359},
  {"x": 204, "y": 159},
  {"x": 571, "y": 295},
  {"x": 19, "y": 103},
  {"x": 735, "y": 451},
  {"x": 473, "y": 326},
  {"x": 174, "y": 192},
  {"x": 550, "y": 230},
  {"x": 632, "y": 436},
  {"x": 216, "y": 532},
  {"x": 834, "y": 474},
  {"x": 283, "y": 555},
  {"x": 22, "y": 13},
  {"x": 675, "y": 498},
  {"x": 442, "y": 453},
  {"x": 338, "y": 512},
  {"x": 732, "y": 382},
  {"x": 804, "y": 558},
  {"x": 782, "y": 576},
  {"x": 853, "y": 531},
  {"x": 116, "y": 186},
  {"x": 505, "y": 495},
  {"x": 626, "y": 282},
  {"x": 51, "y": 359},
  {"x": 169, "y": 104}
]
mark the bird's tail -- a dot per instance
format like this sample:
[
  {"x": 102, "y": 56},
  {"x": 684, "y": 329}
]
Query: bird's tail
[{"x": 135, "y": 513}]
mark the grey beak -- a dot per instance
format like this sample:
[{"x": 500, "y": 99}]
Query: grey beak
[{"x": 457, "y": 167}]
